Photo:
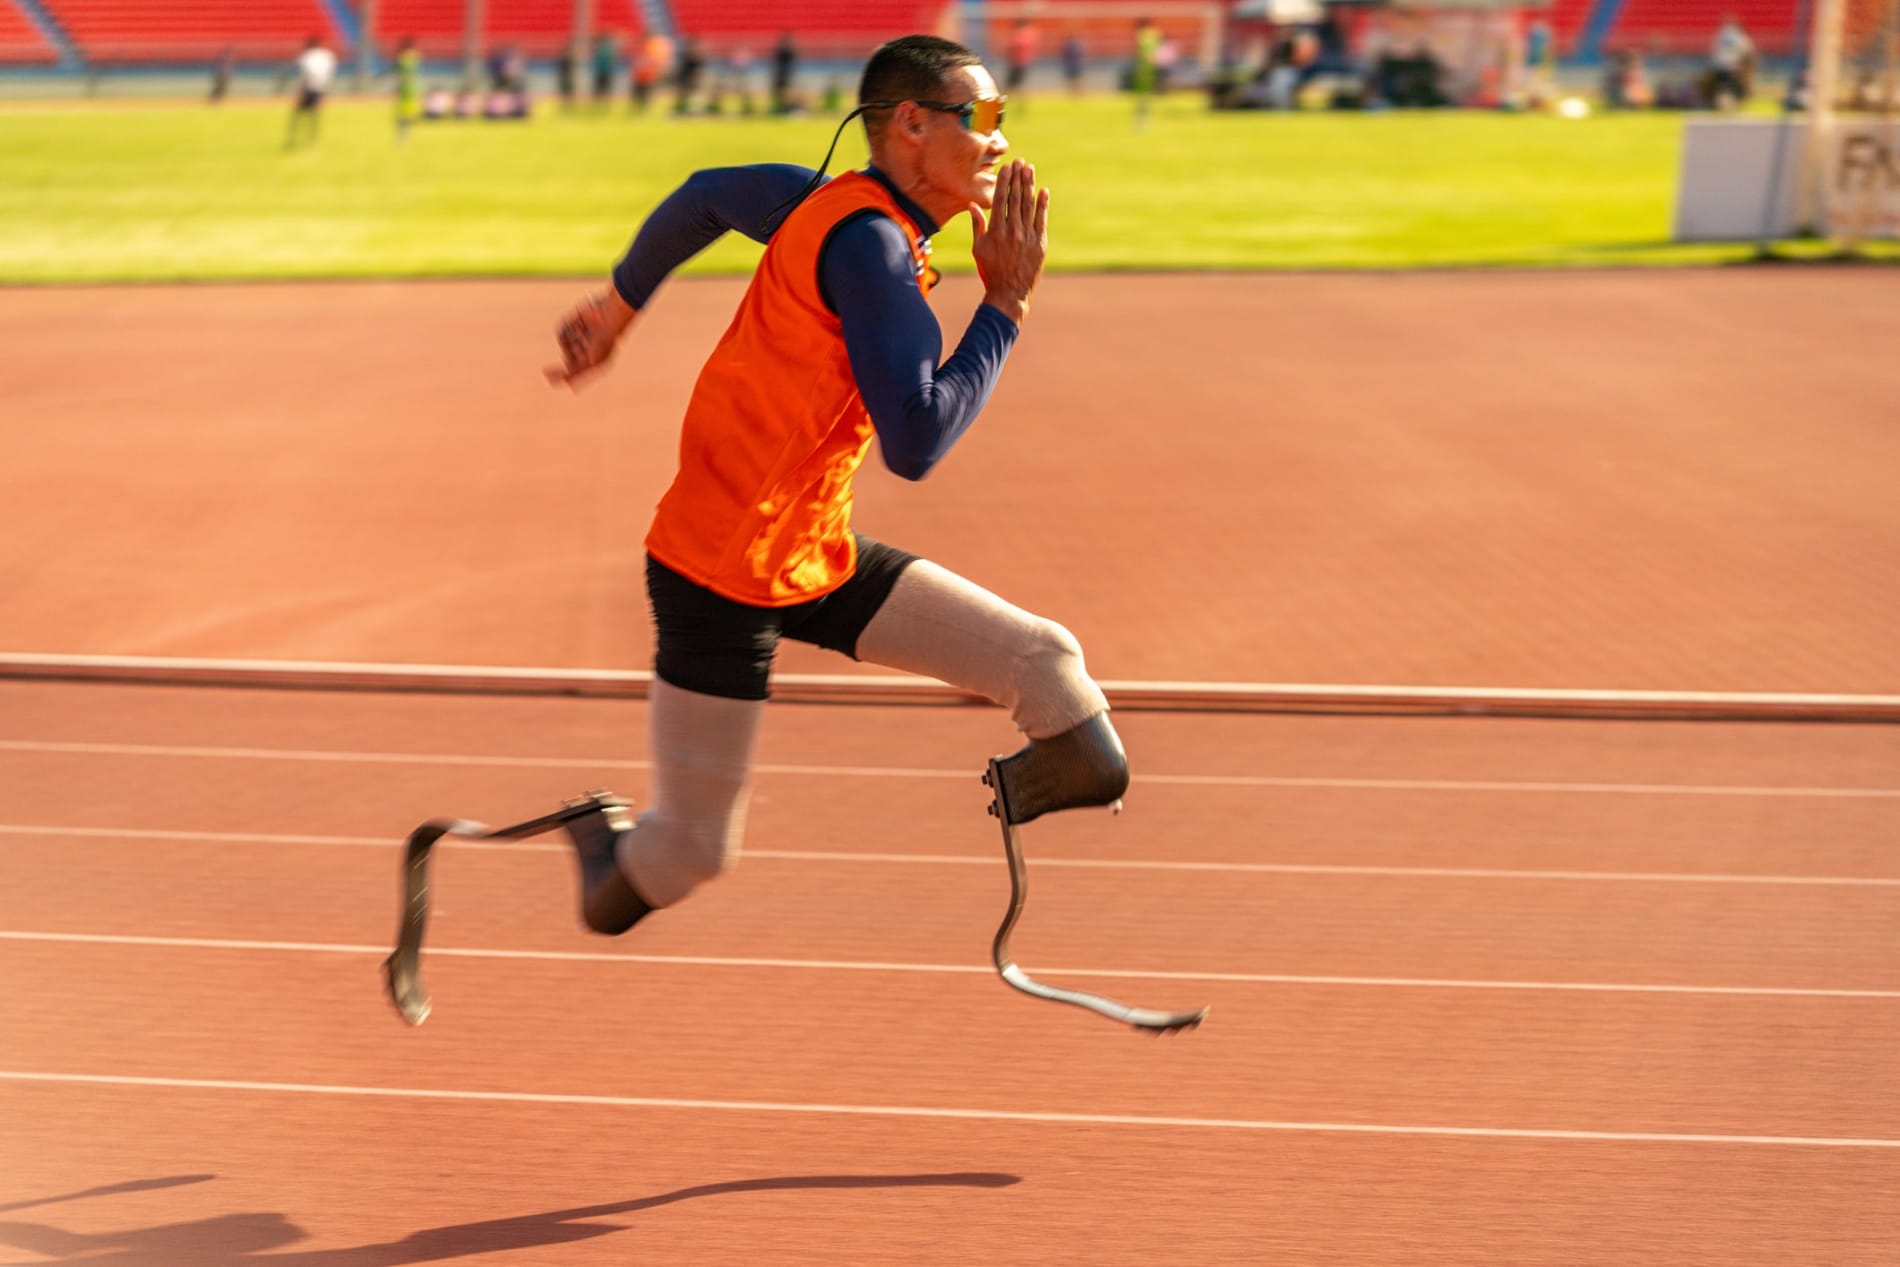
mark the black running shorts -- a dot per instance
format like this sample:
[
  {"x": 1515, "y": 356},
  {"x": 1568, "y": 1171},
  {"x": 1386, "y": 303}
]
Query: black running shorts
[{"x": 711, "y": 644}]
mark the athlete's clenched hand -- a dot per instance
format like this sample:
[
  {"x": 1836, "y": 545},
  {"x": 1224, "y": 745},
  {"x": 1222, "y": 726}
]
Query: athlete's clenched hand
[
  {"x": 587, "y": 336},
  {"x": 1012, "y": 241}
]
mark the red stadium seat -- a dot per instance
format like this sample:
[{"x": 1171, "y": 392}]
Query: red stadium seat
[
  {"x": 836, "y": 28},
  {"x": 1688, "y": 26},
  {"x": 535, "y": 28},
  {"x": 21, "y": 43},
  {"x": 141, "y": 31},
  {"x": 1567, "y": 19}
]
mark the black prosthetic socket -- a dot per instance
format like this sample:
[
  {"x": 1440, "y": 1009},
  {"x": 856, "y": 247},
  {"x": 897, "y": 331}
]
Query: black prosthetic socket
[
  {"x": 1081, "y": 766},
  {"x": 609, "y": 904}
]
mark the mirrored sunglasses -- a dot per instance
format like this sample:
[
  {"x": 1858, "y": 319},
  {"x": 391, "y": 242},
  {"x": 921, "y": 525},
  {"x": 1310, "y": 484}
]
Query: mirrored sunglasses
[{"x": 984, "y": 114}]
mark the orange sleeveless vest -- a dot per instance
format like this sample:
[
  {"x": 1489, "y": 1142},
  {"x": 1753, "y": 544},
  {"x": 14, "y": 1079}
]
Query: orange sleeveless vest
[{"x": 760, "y": 511}]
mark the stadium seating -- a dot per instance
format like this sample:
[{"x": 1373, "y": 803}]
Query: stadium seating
[
  {"x": 1567, "y": 19},
  {"x": 535, "y": 28},
  {"x": 1104, "y": 35},
  {"x": 849, "y": 28},
  {"x": 1688, "y": 26},
  {"x": 21, "y": 43},
  {"x": 139, "y": 31}
]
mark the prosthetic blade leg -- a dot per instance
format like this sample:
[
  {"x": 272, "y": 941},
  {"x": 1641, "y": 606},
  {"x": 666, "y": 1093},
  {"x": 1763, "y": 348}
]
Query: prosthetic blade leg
[
  {"x": 1079, "y": 767},
  {"x": 402, "y": 971}
]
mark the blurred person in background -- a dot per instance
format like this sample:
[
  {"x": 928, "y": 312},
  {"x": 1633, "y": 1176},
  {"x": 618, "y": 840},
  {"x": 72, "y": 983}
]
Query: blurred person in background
[
  {"x": 1145, "y": 78},
  {"x": 1731, "y": 65},
  {"x": 221, "y": 72},
  {"x": 784, "y": 69},
  {"x": 739, "y": 67},
  {"x": 566, "y": 72},
  {"x": 650, "y": 65},
  {"x": 316, "y": 69},
  {"x": 834, "y": 348},
  {"x": 692, "y": 64},
  {"x": 1074, "y": 62},
  {"x": 408, "y": 71},
  {"x": 605, "y": 67},
  {"x": 1023, "y": 42}
]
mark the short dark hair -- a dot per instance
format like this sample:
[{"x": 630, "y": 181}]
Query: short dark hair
[{"x": 909, "y": 68}]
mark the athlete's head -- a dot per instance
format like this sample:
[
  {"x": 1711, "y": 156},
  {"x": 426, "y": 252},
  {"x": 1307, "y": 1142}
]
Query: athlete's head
[{"x": 934, "y": 121}]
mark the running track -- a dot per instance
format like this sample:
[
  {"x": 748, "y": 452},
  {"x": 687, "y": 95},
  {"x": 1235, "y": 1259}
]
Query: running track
[{"x": 1484, "y": 991}]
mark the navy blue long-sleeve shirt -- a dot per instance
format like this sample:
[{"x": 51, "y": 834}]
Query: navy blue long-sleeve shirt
[{"x": 865, "y": 273}]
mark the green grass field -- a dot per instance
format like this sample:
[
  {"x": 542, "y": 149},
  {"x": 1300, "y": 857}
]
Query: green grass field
[{"x": 181, "y": 191}]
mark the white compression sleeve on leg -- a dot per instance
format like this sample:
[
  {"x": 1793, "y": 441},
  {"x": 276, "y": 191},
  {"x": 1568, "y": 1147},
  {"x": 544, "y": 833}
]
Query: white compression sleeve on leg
[
  {"x": 702, "y": 749},
  {"x": 938, "y": 624}
]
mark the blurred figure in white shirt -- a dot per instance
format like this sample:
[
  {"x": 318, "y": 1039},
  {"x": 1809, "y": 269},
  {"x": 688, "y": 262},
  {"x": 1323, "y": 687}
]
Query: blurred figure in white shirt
[{"x": 316, "y": 70}]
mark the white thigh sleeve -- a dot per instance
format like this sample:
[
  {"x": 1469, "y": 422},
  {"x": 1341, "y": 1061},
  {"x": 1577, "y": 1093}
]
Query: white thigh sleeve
[
  {"x": 940, "y": 625},
  {"x": 702, "y": 777}
]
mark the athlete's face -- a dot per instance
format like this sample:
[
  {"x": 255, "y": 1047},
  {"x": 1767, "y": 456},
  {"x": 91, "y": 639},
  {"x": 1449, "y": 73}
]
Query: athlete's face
[{"x": 959, "y": 159}]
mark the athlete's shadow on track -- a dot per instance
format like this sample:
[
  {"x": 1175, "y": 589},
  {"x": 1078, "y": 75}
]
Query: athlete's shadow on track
[{"x": 246, "y": 1240}]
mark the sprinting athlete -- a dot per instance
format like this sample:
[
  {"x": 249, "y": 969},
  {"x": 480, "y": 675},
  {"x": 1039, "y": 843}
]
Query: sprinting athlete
[{"x": 834, "y": 349}]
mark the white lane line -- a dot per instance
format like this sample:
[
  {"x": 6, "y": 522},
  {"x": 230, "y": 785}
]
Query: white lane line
[
  {"x": 110, "y": 834},
  {"x": 850, "y": 965},
  {"x": 964, "y": 1115},
  {"x": 919, "y": 772}
]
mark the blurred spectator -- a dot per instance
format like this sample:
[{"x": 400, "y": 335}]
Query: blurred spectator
[
  {"x": 504, "y": 70},
  {"x": 1411, "y": 80},
  {"x": 221, "y": 72},
  {"x": 739, "y": 68},
  {"x": 507, "y": 96},
  {"x": 784, "y": 69},
  {"x": 606, "y": 63},
  {"x": 316, "y": 68},
  {"x": 1023, "y": 42},
  {"x": 1731, "y": 65},
  {"x": 1167, "y": 58},
  {"x": 1294, "y": 60},
  {"x": 1540, "y": 60},
  {"x": 1073, "y": 63},
  {"x": 650, "y": 65},
  {"x": 692, "y": 64},
  {"x": 1626, "y": 82},
  {"x": 1144, "y": 79},
  {"x": 408, "y": 70},
  {"x": 566, "y": 69}
]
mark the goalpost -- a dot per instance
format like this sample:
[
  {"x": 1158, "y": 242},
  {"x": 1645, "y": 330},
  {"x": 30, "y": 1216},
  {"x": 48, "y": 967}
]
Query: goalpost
[
  {"x": 1829, "y": 167},
  {"x": 1851, "y": 179}
]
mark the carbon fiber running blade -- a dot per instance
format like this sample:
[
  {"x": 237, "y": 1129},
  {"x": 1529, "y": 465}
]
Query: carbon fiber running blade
[
  {"x": 1147, "y": 1020},
  {"x": 402, "y": 970}
]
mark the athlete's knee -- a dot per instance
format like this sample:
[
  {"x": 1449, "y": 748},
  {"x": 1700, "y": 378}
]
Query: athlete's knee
[
  {"x": 667, "y": 858},
  {"x": 1083, "y": 766},
  {"x": 1051, "y": 651},
  {"x": 708, "y": 850},
  {"x": 1052, "y": 691}
]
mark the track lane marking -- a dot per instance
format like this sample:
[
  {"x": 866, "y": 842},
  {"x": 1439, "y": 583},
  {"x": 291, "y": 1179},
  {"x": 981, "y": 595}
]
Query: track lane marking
[
  {"x": 916, "y": 1111},
  {"x": 852, "y": 965},
  {"x": 921, "y": 772},
  {"x": 984, "y": 860}
]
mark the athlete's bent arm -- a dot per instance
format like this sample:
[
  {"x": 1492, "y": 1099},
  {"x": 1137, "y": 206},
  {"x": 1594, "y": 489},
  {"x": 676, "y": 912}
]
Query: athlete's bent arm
[
  {"x": 751, "y": 199},
  {"x": 919, "y": 407}
]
